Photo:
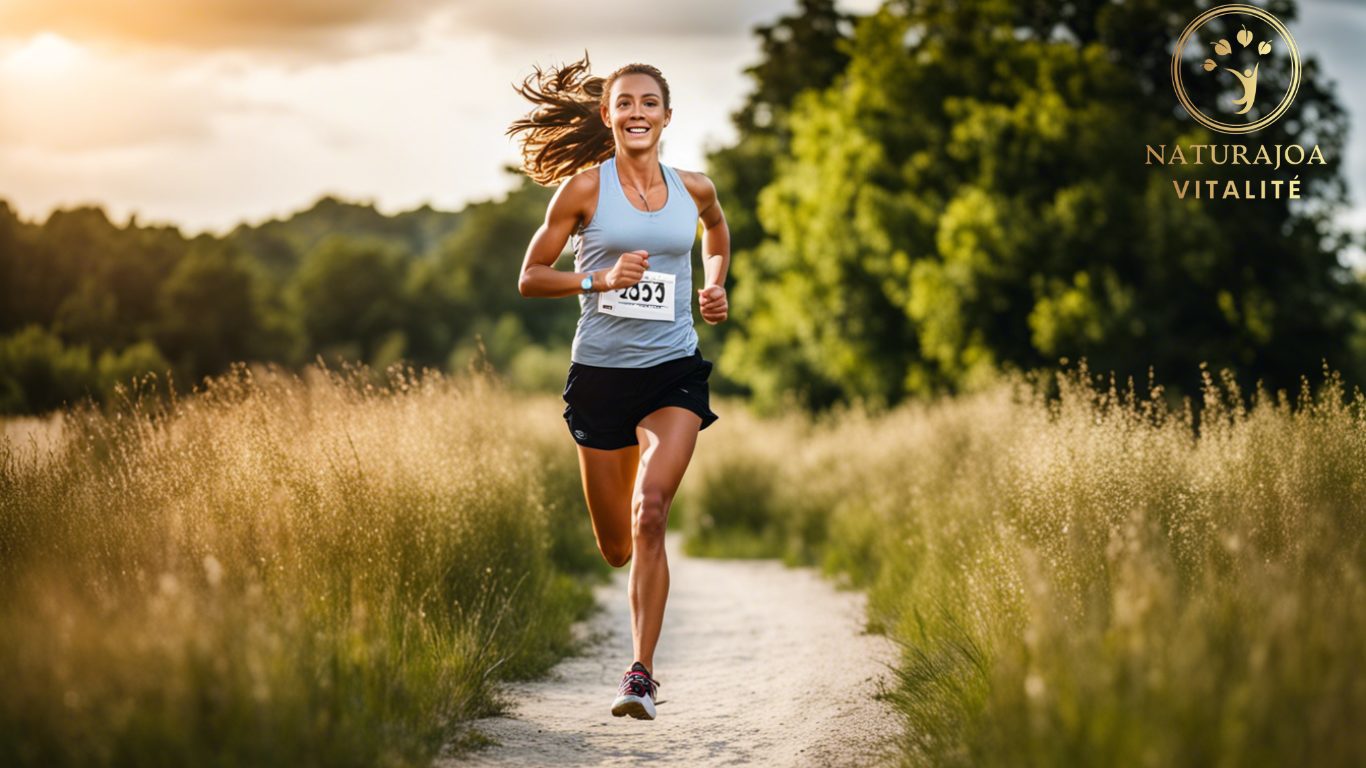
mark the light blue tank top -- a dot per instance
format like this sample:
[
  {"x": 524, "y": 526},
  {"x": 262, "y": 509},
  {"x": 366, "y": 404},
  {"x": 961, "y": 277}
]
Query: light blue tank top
[{"x": 667, "y": 235}]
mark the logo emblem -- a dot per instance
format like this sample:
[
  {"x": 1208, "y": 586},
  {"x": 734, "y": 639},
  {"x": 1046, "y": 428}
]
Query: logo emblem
[
  {"x": 580, "y": 434},
  {"x": 1230, "y": 49}
]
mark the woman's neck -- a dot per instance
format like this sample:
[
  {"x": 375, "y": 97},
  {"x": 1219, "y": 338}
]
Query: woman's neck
[{"x": 641, "y": 168}]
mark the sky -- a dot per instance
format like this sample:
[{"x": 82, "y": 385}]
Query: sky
[{"x": 208, "y": 113}]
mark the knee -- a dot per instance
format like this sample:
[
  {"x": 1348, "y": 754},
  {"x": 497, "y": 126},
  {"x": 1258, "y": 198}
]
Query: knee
[
  {"x": 651, "y": 517},
  {"x": 616, "y": 555}
]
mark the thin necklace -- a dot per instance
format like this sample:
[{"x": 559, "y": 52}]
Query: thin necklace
[{"x": 643, "y": 201}]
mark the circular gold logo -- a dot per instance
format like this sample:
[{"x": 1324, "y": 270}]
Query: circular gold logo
[{"x": 1238, "y": 57}]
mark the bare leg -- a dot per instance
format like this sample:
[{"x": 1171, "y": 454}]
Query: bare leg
[
  {"x": 608, "y": 478},
  {"x": 667, "y": 438}
]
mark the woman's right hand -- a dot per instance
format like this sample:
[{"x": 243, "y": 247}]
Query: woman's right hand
[{"x": 628, "y": 270}]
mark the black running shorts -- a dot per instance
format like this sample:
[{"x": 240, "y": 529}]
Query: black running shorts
[{"x": 604, "y": 405}]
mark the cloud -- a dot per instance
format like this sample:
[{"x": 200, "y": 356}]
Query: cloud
[
  {"x": 554, "y": 19},
  {"x": 58, "y": 96},
  {"x": 305, "y": 28},
  {"x": 284, "y": 26}
]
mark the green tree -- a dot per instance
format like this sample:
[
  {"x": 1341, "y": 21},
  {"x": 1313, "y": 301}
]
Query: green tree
[
  {"x": 349, "y": 294},
  {"x": 798, "y": 53},
  {"x": 38, "y": 372},
  {"x": 92, "y": 282},
  {"x": 113, "y": 368},
  {"x": 971, "y": 194},
  {"x": 480, "y": 263},
  {"x": 210, "y": 316},
  {"x": 12, "y": 253}
]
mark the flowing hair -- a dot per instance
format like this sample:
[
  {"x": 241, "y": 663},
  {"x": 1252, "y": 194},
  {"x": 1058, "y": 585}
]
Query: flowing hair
[{"x": 564, "y": 132}]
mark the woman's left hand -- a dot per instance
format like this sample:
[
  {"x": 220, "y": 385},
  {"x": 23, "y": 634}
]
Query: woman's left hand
[{"x": 712, "y": 302}]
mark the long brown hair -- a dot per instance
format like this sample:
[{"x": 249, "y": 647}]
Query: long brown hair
[{"x": 565, "y": 133}]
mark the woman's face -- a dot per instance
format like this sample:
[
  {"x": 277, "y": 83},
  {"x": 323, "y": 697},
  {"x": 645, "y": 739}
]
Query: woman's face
[{"x": 636, "y": 112}]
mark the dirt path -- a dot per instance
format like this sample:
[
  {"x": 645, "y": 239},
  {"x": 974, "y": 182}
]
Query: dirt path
[{"x": 759, "y": 664}]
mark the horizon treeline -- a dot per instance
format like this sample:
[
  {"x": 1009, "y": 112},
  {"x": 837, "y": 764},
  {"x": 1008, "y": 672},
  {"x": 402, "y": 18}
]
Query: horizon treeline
[{"x": 87, "y": 303}]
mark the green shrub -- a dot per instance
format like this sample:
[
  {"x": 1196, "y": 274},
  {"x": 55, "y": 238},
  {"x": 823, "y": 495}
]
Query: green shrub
[
  {"x": 134, "y": 361},
  {"x": 40, "y": 373}
]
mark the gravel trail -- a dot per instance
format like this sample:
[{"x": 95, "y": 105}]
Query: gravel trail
[{"x": 759, "y": 664}]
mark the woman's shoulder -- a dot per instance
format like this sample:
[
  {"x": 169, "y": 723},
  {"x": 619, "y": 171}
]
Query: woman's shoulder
[
  {"x": 583, "y": 182},
  {"x": 580, "y": 193},
  {"x": 701, "y": 188},
  {"x": 693, "y": 179}
]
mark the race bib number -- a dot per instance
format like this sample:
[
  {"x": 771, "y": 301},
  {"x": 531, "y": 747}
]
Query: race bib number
[{"x": 650, "y": 299}]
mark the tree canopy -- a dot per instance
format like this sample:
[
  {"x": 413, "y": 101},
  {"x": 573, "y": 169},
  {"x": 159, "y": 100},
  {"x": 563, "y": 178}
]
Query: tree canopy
[{"x": 971, "y": 194}]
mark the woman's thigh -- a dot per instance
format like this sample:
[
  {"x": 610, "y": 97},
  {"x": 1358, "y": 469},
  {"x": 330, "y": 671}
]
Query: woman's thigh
[
  {"x": 667, "y": 439},
  {"x": 608, "y": 480}
]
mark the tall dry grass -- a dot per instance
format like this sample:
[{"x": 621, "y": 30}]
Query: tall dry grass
[
  {"x": 284, "y": 571},
  {"x": 1085, "y": 578}
]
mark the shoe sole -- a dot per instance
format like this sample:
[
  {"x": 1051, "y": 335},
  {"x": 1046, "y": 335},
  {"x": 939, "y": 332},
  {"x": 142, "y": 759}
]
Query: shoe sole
[{"x": 635, "y": 706}]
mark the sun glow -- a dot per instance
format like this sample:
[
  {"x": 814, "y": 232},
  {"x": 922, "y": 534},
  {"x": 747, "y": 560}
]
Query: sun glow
[{"x": 44, "y": 53}]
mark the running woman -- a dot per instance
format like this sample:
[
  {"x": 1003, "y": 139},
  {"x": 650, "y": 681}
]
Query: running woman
[{"x": 636, "y": 392}]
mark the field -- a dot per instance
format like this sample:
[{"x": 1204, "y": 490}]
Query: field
[
  {"x": 1080, "y": 575},
  {"x": 331, "y": 569},
  {"x": 283, "y": 570}
]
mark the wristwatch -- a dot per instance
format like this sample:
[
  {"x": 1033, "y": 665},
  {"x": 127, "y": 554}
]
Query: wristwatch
[{"x": 587, "y": 283}]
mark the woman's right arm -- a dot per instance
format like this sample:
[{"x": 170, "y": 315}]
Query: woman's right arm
[{"x": 539, "y": 277}]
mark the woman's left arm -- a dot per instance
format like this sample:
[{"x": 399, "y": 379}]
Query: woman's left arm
[{"x": 715, "y": 250}]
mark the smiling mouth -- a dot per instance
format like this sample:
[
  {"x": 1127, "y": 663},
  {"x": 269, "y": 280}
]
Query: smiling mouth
[{"x": 638, "y": 130}]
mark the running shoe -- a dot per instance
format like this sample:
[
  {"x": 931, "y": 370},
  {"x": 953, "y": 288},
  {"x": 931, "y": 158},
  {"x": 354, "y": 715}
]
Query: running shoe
[{"x": 636, "y": 696}]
